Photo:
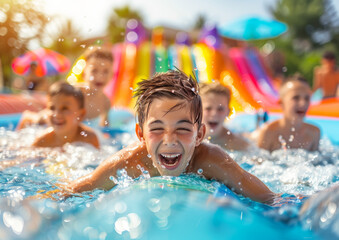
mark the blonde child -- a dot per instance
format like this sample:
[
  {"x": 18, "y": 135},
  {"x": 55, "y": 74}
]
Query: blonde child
[
  {"x": 215, "y": 99},
  {"x": 170, "y": 132},
  {"x": 290, "y": 131},
  {"x": 96, "y": 74}
]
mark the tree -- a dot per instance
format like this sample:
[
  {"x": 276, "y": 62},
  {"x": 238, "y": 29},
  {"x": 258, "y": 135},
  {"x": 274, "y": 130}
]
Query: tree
[
  {"x": 118, "y": 20},
  {"x": 66, "y": 39},
  {"x": 312, "y": 23},
  {"x": 200, "y": 22},
  {"x": 313, "y": 27},
  {"x": 20, "y": 23}
]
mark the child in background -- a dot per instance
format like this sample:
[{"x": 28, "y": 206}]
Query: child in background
[
  {"x": 216, "y": 98},
  {"x": 65, "y": 111},
  {"x": 290, "y": 131},
  {"x": 170, "y": 132},
  {"x": 33, "y": 82},
  {"x": 96, "y": 74},
  {"x": 326, "y": 76}
]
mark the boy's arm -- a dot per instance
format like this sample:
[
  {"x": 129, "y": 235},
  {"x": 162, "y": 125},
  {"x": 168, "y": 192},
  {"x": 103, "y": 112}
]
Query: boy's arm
[
  {"x": 128, "y": 158},
  {"x": 104, "y": 120},
  {"x": 316, "y": 79},
  {"x": 217, "y": 164},
  {"x": 316, "y": 139},
  {"x": 29, "y": 118}
]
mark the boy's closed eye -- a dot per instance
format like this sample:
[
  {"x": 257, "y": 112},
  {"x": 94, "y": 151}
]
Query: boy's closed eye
[
  {"x": 184, "y": 130},
  {"x": 156, "y": 130}
]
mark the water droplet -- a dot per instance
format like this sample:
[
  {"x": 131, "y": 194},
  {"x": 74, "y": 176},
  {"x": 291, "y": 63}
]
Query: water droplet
[
  {"x": 293, "y": 129},
  {"x": 200, "y": 171},
  {"x": 228, "y": 133},
  {"x": 291, "y": 138},
  {"x": 283, "y": 142},
  {"x": 149, "y": 156}
]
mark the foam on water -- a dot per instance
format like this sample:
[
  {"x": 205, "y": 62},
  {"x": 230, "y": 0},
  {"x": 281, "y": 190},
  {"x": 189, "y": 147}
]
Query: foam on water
[{"x": 146, "y": 208}]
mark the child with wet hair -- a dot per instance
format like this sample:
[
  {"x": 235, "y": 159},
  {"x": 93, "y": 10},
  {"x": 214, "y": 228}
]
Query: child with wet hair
[
  {"x": 96, "y": 74},
  {"x": 65, "y": 111},
  {"x": 64, "y": 114},
  {"x": 216, "y": 99},
  {"x": 171, "y": 133},
  {"x": 290, "y": 131}
]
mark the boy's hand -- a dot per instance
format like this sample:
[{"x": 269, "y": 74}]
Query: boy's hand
[{"x": 60, "y": 193}]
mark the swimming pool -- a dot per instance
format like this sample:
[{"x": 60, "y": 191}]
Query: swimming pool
[{"x": 186, "y": 207}]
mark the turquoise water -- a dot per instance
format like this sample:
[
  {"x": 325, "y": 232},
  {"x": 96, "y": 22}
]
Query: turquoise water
[{"x": 186, "y": 207}]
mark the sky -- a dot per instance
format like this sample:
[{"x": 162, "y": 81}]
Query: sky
[{"x": 91, "y": 15}]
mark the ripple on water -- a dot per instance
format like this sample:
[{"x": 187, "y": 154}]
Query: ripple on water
[{"x": 286, "y": 171}]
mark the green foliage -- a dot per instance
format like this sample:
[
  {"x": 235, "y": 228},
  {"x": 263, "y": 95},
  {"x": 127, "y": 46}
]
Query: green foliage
[
  {"x": 118, "y": 20},
  {"x": 20, "y": 23},
  {"x": 66, "y": 39},
  {"x": 313, "y": 28},
  {"x": 308, "y": 63},
  {"x": 200, "y": 22},
  {"x": 310, "y": 21}
]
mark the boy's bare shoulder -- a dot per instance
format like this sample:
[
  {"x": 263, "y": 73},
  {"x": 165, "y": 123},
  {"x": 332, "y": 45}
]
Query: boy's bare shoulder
[
  {"x": 85, "y": 130},
  {"x": 88, "y": 135},
  {"x": 46, "y": 139},
  {"x": 312, "y": 129},
  {"x": 207, "y": 151},
  {"x": 269, "y": 129}
]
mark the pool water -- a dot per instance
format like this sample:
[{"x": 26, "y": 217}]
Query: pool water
[{"x": 185, "y": 207}]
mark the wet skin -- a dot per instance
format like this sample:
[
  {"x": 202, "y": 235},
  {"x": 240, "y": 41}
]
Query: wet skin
[{"x": 171, "y": 144}]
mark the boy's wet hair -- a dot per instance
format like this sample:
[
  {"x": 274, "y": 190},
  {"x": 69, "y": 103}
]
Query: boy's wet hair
[
  {"x": 172, "y": 84},
  {"x": 98, "y": 52},
  {"x": 328, "y": 55},
  {"x": 215, "y": 88},
  {"x": 68, "y": 90},
  {"x": 297, "y": 77}
]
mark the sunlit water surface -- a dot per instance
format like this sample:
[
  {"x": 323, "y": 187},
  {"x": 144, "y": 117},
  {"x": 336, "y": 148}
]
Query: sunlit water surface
[{"x": 187, "y": 207}]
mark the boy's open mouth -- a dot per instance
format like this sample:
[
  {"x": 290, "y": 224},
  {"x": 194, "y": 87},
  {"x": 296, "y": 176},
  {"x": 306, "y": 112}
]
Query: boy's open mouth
[
  {"x": 58, "y": 122},
  {"x": 98, "y": 84},
  {"x": 301, "y": 112},
  {"x": 213, "y": 124},
  {"x": 170, "y": 161}
]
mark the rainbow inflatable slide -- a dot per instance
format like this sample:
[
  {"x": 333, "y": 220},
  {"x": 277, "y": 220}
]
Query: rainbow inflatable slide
[{"x": 241, "y": 69}]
